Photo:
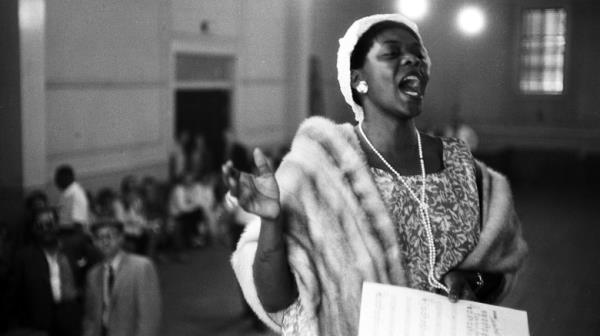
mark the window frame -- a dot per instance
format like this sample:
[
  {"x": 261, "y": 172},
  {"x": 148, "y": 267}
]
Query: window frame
[{"x": 519, "y": 12}]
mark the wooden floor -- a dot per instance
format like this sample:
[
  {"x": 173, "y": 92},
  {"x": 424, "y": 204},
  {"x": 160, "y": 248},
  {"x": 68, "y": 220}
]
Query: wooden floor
[
  {"x": 201, "y": 298},
  {"x": 559, "y": 285}
]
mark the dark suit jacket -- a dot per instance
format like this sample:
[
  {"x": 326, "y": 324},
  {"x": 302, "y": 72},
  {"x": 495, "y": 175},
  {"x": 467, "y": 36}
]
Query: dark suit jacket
[
  {"x": 30, "y": 296},
  {"x": 135, "y": 305},
  {"x": 82, "y": 253}
]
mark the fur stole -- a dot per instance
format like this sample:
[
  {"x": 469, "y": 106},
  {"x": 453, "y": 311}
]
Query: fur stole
[{"x": 339, "y": 233}]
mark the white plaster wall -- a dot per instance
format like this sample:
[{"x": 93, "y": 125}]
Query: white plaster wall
[
  {"x": 109, "y": 75},
  {"x": 222, "y": 16},
  {"x": 268, "y": 39},
  {"x": 32, "y": 21},
  {"x": 108, "y": 40},
  {"x": 297, "y": 56},
  {"x": 102, "y": 118},
  {"x": 107, "y": 94},
  {"x": 259, "y": 119}
]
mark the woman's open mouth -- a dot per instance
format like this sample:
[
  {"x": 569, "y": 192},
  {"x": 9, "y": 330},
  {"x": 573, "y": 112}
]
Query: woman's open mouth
[{"x": 411, "y": 86}]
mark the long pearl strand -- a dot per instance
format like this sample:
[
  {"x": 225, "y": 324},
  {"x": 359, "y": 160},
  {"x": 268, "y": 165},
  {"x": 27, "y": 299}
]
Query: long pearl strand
[{"x": 422, "y": 201}]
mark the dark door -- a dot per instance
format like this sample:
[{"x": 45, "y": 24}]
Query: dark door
[{"x": 204, "y": 112}]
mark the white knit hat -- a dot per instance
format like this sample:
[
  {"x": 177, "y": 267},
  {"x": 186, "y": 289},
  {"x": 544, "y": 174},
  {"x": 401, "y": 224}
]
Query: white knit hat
[{"x": 347, "y": 44}]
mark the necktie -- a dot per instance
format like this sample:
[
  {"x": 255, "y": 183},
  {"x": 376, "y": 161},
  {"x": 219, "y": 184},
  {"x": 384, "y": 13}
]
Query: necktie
[{"x": 111, "y": 279}]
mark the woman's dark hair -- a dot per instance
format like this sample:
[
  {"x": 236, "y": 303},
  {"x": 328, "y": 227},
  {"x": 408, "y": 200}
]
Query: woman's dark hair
[{"x": 364, "y": 44}]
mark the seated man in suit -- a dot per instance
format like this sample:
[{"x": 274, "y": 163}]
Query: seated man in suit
[
  {"x": 42, "y": 293},
  {"x": 122, "y": 293}
]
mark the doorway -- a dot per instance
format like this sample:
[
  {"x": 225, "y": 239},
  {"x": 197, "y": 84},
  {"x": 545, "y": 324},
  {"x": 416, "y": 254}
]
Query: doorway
[{"x": 205, "y": 112}]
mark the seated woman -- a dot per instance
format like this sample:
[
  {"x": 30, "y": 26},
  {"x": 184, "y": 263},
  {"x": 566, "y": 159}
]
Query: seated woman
[
  {"x": 188, "y": 209},
  {"x": 154, "y": 203},
  {"x": 140, "y": 235},
  {"x": 378, "y": 201},
  {"x": 154, "y": 199}
]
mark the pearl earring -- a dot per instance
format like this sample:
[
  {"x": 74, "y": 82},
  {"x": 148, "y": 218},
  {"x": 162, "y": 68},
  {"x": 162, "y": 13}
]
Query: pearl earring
[{"x": 362, "y": 87}]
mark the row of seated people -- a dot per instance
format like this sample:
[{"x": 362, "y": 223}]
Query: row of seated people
[
  {"x": 155, "y": 216},
  {"x": 179, "y": 216}
]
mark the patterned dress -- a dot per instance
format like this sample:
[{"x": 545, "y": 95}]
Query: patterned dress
[
  {"x": 453, "y": 209},
  {"x": 454, "y": 213}
]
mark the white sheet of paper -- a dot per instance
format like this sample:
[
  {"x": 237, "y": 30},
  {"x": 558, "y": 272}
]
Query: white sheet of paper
[{"x": 399, "y": 311}]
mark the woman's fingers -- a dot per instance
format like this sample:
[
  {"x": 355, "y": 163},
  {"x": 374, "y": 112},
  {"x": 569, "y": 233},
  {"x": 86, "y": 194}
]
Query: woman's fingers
[
  {"x": 454, "y": 291},
  {"x": 240, "y": 184},
  {"x": 257, "y": 194},
  {"x": 458, "y": 285},
  {"x": 261, "y": 162},
  {"x": 231, "y": 177},
  {"x": 455, "y": 281},
  {"x": 229, "y": 170}
]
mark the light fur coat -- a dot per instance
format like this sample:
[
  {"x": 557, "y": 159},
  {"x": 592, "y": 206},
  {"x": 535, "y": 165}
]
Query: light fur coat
[{"x": 339, "y": 233}]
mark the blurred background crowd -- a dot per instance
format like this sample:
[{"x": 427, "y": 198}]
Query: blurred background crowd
[
  {"x": 125, "y": 110},
  {"x": 164, "y": 220}
]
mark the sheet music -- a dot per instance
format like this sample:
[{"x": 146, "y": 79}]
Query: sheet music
[{"x": 399, "y": 311}]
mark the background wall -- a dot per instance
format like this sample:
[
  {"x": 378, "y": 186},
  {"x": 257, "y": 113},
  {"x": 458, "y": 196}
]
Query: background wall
[
  {"x": 268, "y": 40},
  {"x": 262, "y": 92},
  {"x": 108, "y": 77},
  {"x": 22, "y": 100},
  {"x": 481, "y": 77},
  {"x": 478, "y": 76},
  {"x": 273, "y": 70},
  {"x": 106, "y": 83}
]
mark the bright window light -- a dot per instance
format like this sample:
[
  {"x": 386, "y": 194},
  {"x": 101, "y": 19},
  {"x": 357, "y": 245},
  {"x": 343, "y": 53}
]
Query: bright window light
[
  {"x": 471, "y": 20},
  {"x": 543, "y": 44},
  {"x": 413, "y": 9}
]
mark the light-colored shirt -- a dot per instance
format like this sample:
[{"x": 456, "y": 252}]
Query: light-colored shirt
[
  {"x": 133, "y": 218},
  {"x": 73, "y": 206},
  {"x": 53, "y": 267},
  {"x": 189, "y": 198}
]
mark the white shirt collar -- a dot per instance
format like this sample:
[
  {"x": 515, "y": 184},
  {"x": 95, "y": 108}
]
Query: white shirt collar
[
  {"x": 115, "y": 262},
  {"x": 51, "y": 254}
]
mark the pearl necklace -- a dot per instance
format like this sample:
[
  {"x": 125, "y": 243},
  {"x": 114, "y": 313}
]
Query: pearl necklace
[{"x": 422, "y": 201}]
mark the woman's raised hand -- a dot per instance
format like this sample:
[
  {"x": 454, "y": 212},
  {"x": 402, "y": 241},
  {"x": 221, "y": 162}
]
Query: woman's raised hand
[{"x": 256, "y": 193}]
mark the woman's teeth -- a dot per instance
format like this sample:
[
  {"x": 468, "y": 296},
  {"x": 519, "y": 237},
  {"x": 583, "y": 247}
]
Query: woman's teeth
[{"x": 411, "y": 85}]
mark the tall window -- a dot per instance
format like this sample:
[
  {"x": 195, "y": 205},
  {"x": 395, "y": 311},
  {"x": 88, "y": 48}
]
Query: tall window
[{"x": 542, "y": 54}]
